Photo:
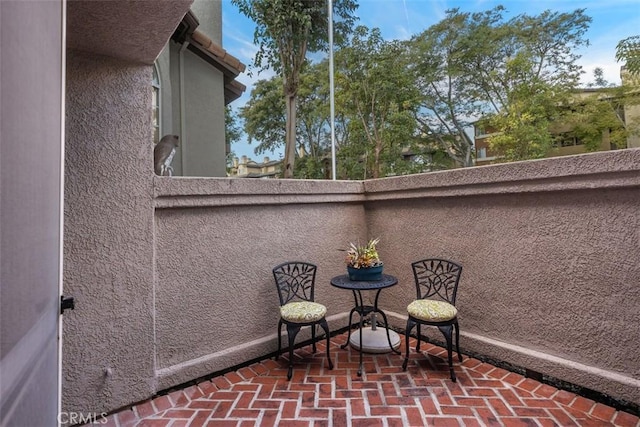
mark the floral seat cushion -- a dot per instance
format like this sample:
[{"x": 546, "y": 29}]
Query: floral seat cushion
[
  {"x": 302, "y": 311},
  {"x": 431, "y": 310}
]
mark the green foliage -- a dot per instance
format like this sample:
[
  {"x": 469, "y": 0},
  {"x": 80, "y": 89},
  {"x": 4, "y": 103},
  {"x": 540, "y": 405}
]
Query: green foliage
[
  {"x": 531, "y": 106},
  {"x": 377, "y": 98},
  {"x": 437, "y": 61},
  {"x": 407, "y": 107},
  {"x": 310, "y": 167},
  {"x": 599, "y": 113},
  {"x": 628, "y": 50},
  {"x": 285, "y": 31},
  {"x": 232, "y": 129},
  {"x": 599, "y": 80},
  {"x": 537, "y": 81},
  {"x": 516, "y": 71},
  {"x": 265, "y": 121},
  {"x": 264, "y": 115},
  {"x": 232, "y": 132}
]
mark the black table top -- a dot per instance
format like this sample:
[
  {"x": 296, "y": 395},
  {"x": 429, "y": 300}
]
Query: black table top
[{"x": 344, "y": 282}]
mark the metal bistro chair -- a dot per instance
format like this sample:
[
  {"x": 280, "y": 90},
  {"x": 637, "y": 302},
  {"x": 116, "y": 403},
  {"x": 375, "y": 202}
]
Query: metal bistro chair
[
  {"x": 436, "y": 286},
  {"x": 295, "y": 281}
]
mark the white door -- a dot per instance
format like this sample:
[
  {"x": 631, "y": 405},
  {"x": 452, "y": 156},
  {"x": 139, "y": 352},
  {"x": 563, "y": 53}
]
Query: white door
[{"x": 31, "y": 146}]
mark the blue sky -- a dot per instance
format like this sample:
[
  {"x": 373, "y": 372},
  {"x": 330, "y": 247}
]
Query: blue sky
[{"x": 612, "y": 21}]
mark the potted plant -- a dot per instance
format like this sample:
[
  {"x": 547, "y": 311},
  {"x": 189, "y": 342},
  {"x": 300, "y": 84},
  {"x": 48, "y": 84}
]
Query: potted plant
[{"x": 363, "y": 262}]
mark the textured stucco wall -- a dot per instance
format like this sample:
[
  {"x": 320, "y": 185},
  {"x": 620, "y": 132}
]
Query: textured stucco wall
[
  {"x": 550, "y": 255},
  {"x": 549, "y": 250},
  {"x": 134, "y": 31},
  {"x": 108, "y": 229},
  {"x": 216, "y": 243}
]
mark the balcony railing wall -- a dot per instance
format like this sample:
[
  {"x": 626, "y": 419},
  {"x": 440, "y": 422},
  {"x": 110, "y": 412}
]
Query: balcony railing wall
[{"x": 549, "y": 250}]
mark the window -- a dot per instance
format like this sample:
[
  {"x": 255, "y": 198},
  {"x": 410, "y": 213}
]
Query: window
[
  {"x": 568, "y": 140},
  {"x": 156, "y": 105},
  {"x": 482, "y": 153}
]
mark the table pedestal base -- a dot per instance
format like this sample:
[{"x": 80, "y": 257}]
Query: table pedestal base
[{"x": 375, "y": 340}]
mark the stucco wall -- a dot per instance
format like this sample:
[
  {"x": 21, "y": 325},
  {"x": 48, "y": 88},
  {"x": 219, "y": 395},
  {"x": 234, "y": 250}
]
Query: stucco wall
[
  {"x": 549, "y": 250},
  {"x": 550, "y": 255},
  {"x": 108, "y": 245},
  {"x": 216, "y": 243}
]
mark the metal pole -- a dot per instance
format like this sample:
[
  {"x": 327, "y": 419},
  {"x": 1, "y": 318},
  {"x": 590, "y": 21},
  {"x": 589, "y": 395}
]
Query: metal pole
[{"x": 331, "y": 91}]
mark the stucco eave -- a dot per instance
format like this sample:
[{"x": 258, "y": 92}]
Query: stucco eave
[{"x": 134, "y": 31}]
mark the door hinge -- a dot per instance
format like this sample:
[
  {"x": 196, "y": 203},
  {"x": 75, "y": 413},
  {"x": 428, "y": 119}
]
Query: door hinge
[{"x": 66, "y": 303}]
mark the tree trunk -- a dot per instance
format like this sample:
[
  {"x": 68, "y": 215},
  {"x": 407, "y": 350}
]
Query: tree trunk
[
  {"x": 290, "y": 136},
  {"x": 376, "y": 160}
]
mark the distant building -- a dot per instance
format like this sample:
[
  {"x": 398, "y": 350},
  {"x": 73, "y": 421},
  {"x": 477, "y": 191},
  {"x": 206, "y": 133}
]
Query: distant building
[
  {"x": 567, "y": 143},
  {"x": 247, "y": 168}
]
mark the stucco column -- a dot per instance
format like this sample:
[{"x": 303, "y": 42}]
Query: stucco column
[{"x": 108, "y": 252}]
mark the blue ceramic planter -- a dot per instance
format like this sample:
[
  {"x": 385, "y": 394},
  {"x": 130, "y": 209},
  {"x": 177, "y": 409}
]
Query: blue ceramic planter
[{"x": 365, "y": 274}]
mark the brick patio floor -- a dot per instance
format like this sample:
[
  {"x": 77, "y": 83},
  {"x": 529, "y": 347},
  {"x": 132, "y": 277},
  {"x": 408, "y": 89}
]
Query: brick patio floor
[{"x": 260, "y": 395}]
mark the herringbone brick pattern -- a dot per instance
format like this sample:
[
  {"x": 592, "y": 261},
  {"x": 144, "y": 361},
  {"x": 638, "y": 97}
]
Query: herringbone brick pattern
[{"x": 260, "y": 395}]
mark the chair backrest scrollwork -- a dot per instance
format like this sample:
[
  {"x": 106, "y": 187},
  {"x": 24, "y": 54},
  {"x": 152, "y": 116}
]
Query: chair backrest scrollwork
[
  {"x": 295, "y": 280},
  {"x": 437, "y": 277}
]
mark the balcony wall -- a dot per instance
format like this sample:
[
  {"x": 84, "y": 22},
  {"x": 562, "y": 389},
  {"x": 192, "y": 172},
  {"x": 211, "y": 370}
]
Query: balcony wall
[
  {"x": 549, "y": 249},
  {"x": 216, "y": 244}
]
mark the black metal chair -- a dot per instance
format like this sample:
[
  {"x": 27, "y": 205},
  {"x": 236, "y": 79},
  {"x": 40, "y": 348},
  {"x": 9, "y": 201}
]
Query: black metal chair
[
  {"x": 436, "y": 287},
  {"x": 295, "y": 281}
]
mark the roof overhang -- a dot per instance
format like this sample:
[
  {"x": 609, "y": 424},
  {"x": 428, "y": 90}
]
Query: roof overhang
[{"x": 212, "y": 53}]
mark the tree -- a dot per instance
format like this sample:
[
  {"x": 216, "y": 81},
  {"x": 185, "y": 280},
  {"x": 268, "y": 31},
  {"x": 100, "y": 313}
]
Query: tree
[
  {"x": 531, "y": 105},
  {"x": 591, "y": 117},
  {"x": 598, "y": 79},
  {"x": 447, "y": 105},
  {"x": 232, "y": 132},
  {"x": 517, "y": 72},
  {"x": 535, "y": 81},
  {"x": 285, "y": 31},
  {"x": 264, "y": 116},
  {"x": 377, "y": 97},
  {"x": 628, "y": 50},
  {"x": 600, "y": 110}
]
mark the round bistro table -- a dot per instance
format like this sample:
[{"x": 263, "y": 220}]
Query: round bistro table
[{"x": 368, "y": 337}]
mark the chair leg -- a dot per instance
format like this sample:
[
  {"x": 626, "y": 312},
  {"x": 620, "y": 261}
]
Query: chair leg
[
  {"x": 325, "y": 326},
  {"x": 447, "y": 332},
  {"x": 458, "y": 340},
  {"x": 313, "y": 338},
  {"x": 279, "y": 340},
  {"x": 419, "y": 335},
  {"x": 407, "y": 332},
  {"x": 292, "y": 331}
]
